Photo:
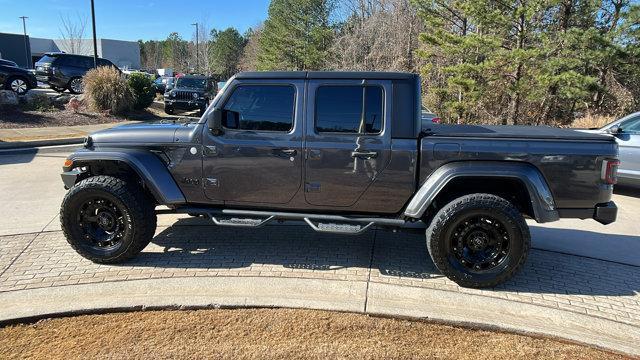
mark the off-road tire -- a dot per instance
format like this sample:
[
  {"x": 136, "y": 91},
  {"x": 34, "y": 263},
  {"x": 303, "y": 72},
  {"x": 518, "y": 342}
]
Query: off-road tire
[
  {"x": 139, "y": 217},
  {"x": 439, "y": 233},
  {"x": 169, "y": 110}
]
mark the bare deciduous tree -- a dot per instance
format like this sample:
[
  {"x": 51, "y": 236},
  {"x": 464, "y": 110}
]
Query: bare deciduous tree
[
  {"x": 376, "y": 35},
  {"x": 72, "y": 32}
]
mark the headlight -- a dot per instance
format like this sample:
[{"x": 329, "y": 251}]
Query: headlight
[
  {"x": 195, "y": 95},
  {"x": 173, "y": 94}
]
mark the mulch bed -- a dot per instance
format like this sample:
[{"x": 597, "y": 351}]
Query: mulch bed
[{"x": 12, "y": 118}]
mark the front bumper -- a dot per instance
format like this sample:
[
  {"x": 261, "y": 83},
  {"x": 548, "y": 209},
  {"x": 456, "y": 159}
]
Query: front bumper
[
  {"x": 185, "y": 105},
  {"x": 69, "y": 178}
]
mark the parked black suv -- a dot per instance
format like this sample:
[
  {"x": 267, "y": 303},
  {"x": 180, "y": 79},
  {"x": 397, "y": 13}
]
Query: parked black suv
[
  {"x": 65, "y": 71},
  {"x": 190, "y": 92},
  {"x": 16, "y": 79}
]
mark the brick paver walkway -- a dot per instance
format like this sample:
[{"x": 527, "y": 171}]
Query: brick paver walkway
[{"x": 593, "y": 287}]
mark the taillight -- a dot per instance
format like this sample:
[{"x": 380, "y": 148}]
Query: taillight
[
  {"x": 436, "y": 120},
  {"x": 610, "y": 171}
]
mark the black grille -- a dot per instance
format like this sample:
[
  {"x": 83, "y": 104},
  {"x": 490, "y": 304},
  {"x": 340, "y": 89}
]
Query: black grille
[{"x": 184, "y": 95}]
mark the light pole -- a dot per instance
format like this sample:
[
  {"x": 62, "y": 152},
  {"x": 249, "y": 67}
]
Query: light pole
[
  {"x": 95, "y": 42},
  {"x": 26, "y": 43},
  {"x": 197, "y": 63}
]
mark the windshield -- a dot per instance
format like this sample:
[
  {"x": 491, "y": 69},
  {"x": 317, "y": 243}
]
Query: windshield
[
  {"x": 47, "y": 59},
  {"x": 191, "y": 82}
]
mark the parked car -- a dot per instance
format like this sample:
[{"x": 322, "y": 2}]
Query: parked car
[
  {"x": 8, "y": 63},
  {"x": 428, "y": 118},
  {"x": 343, "y": 152},
  {"x": 65, "y": 71},
  {"x": 190, "y": 92},
  {"x": 163, "y": 84},
  {"x": 16, "y": 79},
  {"x": 627, "y": 134}
]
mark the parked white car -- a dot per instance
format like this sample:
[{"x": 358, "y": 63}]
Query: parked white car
[{"x": 627, "y": 134}]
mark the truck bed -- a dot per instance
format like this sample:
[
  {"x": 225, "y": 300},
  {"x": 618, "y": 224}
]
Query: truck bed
[{"x": 514, "y": 132}]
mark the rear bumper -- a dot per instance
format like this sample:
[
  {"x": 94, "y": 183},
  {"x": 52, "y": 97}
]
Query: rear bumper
[{"x": 604, "y": 213}]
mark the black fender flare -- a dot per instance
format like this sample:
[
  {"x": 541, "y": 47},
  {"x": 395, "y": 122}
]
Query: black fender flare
[
  {"x": 539, "y": 193},
  {"x": 147, "y": 165}
]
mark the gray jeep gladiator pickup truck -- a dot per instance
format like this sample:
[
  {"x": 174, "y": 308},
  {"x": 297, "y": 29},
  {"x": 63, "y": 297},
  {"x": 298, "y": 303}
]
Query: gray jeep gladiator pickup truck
[{"x": 342, "y": 152}]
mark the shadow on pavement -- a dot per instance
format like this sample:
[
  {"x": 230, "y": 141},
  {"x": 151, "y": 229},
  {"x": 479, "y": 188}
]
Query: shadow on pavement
[
  {"x": 397, "y": 256},
  {"x": 618, "y": 248},
  {"x": 20, "y": 157},
  {"x": 627, "y": 190}
]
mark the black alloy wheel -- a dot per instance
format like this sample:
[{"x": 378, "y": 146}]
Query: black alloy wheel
[
  {"x": 102, "y": 223},
  {"x": 478, "y": 240}
]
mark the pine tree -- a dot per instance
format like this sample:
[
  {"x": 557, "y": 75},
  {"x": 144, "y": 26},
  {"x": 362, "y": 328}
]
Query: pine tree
[
  {"x": 224, "y": 51},
  {"x": 296, "y": 35}
]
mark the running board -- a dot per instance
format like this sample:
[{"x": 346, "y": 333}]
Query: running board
[{"x": 334, "y": 224}]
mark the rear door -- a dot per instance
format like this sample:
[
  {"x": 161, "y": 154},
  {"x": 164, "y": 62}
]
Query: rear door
[
  {"x": 258, "y": 158},
  {"x": 348, "y": 142}
]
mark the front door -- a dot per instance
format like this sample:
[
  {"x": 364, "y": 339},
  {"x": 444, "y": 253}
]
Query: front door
[
  {"x": 347, "y": 143},
  {"x": 258, "y": 157},
  {"x": 629, "y": 148}
]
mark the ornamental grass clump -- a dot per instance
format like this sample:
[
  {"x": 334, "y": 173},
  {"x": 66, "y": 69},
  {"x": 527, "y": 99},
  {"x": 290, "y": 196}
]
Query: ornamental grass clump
[{"x": 107, "y": 90}]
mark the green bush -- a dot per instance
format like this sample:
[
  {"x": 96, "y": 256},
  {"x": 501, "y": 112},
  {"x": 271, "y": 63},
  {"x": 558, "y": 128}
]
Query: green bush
[
  {"x": 36, "y": 102},
  {"x": 143, "y": 90},
  {"x": 106, "y": 89}
]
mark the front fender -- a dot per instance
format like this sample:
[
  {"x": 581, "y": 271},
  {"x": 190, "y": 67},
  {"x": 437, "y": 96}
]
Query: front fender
[
  {"x": 148, "y": 166},
  {"x": 539, "y": 192}
]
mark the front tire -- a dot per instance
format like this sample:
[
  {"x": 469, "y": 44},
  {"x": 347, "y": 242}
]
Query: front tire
[
  {"x": 478, "y": 240},
  {"x": 169, "y": 109},
  {"x": 18, "y": 85},
  {"x": 107, "y": 220}
]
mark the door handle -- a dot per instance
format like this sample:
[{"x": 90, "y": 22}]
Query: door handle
[
  {"x": 285, "y": 153},
  {"x": 364, "y": 154},
  {"x": 290, "y": 152}
]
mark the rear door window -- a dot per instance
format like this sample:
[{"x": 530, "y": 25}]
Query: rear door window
[
  {"x": 349, "y": 109},
  {"x": 260, "y": 108}
]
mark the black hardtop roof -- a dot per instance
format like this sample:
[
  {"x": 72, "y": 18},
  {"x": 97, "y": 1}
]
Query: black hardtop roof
[{"x": 380, "y": 75}]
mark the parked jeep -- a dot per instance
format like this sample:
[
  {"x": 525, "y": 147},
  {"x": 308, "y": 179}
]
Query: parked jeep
[
  {"x": 65, "y": 71},
  {"x": 190, "y": 92},
  {"x": 343, "y": 152}
]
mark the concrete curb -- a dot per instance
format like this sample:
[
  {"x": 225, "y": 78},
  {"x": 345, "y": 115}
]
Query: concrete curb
[
  {"x": 351, "y": 296},
  {"x": 38, "y": 143}
]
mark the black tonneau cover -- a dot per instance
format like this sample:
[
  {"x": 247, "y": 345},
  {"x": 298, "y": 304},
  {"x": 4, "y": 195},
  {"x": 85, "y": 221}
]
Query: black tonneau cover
[{"x": 511, "y": 131}]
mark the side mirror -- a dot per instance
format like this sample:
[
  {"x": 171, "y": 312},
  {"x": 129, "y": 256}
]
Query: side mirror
[
  {"x": 614, "y": 130},
  {"x": 214, "y": 122}
]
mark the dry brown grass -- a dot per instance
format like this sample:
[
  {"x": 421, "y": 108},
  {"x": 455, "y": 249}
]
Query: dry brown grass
[
  {"x": 592, "y": 121},
  {"x": 272, "y": 334}
]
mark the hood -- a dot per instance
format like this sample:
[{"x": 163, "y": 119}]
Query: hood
[{"x": 140, "y": 134}]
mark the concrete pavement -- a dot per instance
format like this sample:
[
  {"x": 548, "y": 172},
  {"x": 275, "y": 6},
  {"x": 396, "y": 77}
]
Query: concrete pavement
[{"x": 192, "y": 263}]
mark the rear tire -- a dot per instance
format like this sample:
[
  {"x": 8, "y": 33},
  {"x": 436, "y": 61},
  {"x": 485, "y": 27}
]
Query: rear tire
[
  {"x": 478, "y": 240},
  {"x": 75, "y": 85},
  {"x": 107, "y": 220}
]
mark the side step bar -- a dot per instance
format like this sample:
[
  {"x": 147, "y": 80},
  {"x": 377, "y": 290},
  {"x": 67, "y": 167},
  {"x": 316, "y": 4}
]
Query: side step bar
[{"x": 335, "y": 224}]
